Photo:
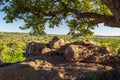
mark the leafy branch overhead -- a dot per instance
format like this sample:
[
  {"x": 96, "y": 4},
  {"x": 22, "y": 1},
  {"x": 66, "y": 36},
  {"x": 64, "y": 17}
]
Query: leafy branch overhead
[{"x": 80, "y": 15}]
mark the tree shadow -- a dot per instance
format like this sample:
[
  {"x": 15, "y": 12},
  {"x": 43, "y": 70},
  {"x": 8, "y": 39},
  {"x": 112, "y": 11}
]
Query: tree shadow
[
  {"x": 25, "y": 71},
  {"x": 51, "y": 57},
  {"x": 108, "y": 60}
]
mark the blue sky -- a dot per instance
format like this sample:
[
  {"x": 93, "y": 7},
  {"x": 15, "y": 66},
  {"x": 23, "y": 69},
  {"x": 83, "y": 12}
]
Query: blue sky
[{"x": 63, "y": 29}]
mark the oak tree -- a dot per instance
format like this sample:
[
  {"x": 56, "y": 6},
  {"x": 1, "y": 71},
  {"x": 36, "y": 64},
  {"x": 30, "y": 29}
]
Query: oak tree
[{"x": 81, "y": 16}]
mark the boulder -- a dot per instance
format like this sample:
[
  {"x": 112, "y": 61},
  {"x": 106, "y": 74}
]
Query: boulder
[
  {"x": 75, "y": 52},
  {"x": 57, "y": 42},
  {"x": 78, "y": 51},
  {"x": 37, "y": 49}
]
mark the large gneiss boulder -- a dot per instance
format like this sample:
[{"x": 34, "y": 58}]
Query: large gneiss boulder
[
  {"x": 78, "y": 51},
  {"x": 57, "y": 42},
  {"x": 37, "y": 49}
]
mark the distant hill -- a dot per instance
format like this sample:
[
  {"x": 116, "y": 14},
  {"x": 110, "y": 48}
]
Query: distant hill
[{"x": 101, "y": 36}]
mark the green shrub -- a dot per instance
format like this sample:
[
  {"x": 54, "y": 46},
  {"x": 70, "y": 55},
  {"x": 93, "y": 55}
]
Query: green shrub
[
  {"x": 119, "y": 51},
  {"x": 12, "y": 51}
]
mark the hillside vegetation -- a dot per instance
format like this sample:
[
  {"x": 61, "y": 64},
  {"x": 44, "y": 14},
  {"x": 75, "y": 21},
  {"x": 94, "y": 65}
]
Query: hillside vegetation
[{"x": 13, "y": 45}]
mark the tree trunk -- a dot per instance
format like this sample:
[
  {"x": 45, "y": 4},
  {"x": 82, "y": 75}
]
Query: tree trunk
[{"x": 114, "y": 6}]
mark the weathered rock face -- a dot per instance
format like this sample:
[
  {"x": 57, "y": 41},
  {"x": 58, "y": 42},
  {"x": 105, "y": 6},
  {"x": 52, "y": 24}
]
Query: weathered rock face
[
  {"x": 78, "y": 51},
  {"x": 34, "y": 48},
  {"x": 57, "y": 42},
  {"x": 32, "y": 70},
  {"x": 44, "y": 70}
]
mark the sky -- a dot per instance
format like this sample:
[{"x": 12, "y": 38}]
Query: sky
[{"x": 63, "y": 29}]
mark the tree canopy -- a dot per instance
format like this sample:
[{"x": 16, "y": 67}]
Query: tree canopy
[{"x": 81, "y": 16}]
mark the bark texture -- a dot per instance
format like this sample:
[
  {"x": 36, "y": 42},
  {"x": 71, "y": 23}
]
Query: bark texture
[{"x": 114, "y": 6}]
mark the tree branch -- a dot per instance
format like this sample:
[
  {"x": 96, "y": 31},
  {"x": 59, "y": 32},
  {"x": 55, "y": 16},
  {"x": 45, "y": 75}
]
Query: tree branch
[
  {"x": 114, "y": 6},
  {"x": 108, "y": 20}
]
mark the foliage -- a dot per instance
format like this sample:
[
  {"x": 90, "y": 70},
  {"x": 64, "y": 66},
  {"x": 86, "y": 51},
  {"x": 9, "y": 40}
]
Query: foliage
[
  {"x": 80, "y": 27},
  {"x": 2, "y": 1},
  {"x": 119, "y": 51},
  {"x": 12, "y": 51},
  {"x": 36, "y": 13}
]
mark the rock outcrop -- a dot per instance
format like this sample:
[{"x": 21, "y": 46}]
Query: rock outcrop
[
  {"x": 84, "y": 51},
  {"x": 44, "y": 70},
  {"x": 76, "y": 51},
  {"x": 62, "y": 60},
  {"x": 57, "y": 42}
]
